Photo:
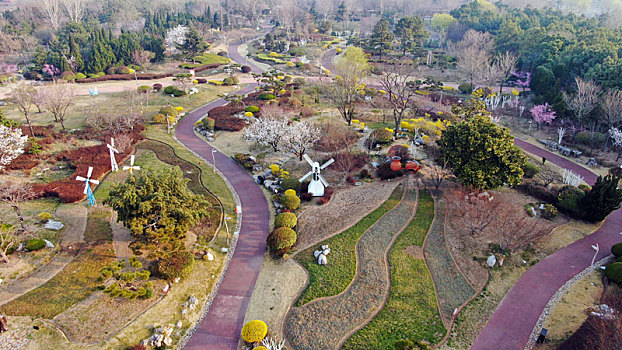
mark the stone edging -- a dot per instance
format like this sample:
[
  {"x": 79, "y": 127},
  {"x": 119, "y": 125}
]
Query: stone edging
[
  {"x": 555, "y": 298},
  {"x": 190, "y": 332}
]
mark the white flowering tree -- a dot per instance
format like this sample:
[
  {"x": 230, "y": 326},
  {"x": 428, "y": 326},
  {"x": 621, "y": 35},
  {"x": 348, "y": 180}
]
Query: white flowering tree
[
  {"x": 300, "y": 137},
  {"x": 268, "y": 131},
  {"x": 11, "y": 145},
  {"x": 616, "y": 136},
  {"x": 175, "y": 37}
]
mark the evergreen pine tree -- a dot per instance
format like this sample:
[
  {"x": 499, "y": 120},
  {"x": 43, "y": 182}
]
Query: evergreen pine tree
[
  {"x": 381, "y": 37},
  {"x": 604, "y": 198},
  {"x": 74, "y": 51}
]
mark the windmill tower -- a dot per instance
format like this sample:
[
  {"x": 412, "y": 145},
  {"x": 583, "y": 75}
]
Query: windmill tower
[
  {"x": 87, "y": 187},
  {"x": 318, "y": 182},
  {"x": 113, "y": 160},
  {"x": 132, "y": 167}
]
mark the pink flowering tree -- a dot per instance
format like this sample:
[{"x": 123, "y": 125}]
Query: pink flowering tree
[
  {"x": 543, "y": 114},
  {"x": 523, "y": 79}
]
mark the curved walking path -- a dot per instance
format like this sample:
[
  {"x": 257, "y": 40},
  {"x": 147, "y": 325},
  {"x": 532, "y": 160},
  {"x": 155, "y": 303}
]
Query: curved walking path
[
  {"x": 327, "y": 322},
  {"x": 221, "y": 327},
  {"x": 74, "y": 217},
  {"x": 510, "y": 326}
]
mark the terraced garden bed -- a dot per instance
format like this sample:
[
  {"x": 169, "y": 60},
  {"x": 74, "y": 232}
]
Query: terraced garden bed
[
  {"x": 336, "y": 276},
  {"x": 411, "y": 311}
]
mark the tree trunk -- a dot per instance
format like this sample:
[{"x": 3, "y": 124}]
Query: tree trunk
[
  {"x": 18, "y": 212},
  {"x": 32, "y": 133},
  {"x": 4, "y": 256},
  {"x": 62, "y": 123}
]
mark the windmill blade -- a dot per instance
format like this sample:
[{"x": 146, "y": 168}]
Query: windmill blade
[
  {"x": 329, "y": 162},
  {"x": 323, "y": 180},
  {"x": 80, "y": 178},
  {"x": 96, "y": 182},
  {"x": 112, "y": 142},
  {"x": 89, "y": 173},
  {"x": 132, "y": 160},
  {"x": 308, "y": 159},
  {"x": 125, "y": 167},
  {"x": 136, "y": 167},
  {"x": 86, "y": 187},
  {"x": 306, "y": 176}
]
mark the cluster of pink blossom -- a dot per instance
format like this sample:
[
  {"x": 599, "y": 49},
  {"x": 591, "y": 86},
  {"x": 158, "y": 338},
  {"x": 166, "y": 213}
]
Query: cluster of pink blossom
[
  {"x": 543, "y": 114},
  {"x": 523, "y": 79},
  {"x": 50, "y": 70}
]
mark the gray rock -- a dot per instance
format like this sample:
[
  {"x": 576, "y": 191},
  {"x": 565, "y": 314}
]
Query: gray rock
[
  {"x": 193, "y": 300},
  {"x": 48, "y": 244},
  {"x": 491, "y": 261},
  {"x": 54, "y": 225},
  {"x": 179, "y": 324}
]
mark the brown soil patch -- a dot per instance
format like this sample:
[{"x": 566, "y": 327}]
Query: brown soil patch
[
  {"x": 278, "y": 285},
  {"x": 345, "y": 209},
  {"x": 414, "y": 251}
]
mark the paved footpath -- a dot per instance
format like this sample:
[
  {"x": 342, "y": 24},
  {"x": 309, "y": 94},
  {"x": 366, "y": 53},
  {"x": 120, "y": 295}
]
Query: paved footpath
[
  {"x": 221, "y": 327},
  {"x": 510, "y": 326}
]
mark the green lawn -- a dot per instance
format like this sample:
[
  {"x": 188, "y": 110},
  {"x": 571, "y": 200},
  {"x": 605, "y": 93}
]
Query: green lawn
[
  {"x": 336, "y": 276},
  {"x": 411, "y": 312}
]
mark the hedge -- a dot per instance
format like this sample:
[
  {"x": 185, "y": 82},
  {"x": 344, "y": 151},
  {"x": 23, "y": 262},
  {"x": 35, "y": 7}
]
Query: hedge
[{"x": 139, "y": 76}]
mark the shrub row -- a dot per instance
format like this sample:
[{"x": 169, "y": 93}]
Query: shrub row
[{"x": 139, "y": 76}]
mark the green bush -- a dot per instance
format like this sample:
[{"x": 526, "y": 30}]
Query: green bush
[
  {"x": 179, "y": 93},
  {"x": 208, "y": 123},
  {"x": 290, "y": 184},
  {"x": 569, "y": 201},
  {"x": 228, "y": 81},
  {"x": 144, "y": 89},
  {"x": 404, "y": 344},
  {"x": 252, "y": 109},
  {"x": 614, "y": 272},
  {"x": 591, "y": 139},
  {"x": 159, "y": 118},
  {"x": 35, "y": 244},
  {"x": 286, "y": 220},
  {"x": 281, "y": 240},
  {"x": 616, "y": 250},
  {"x": 266, "y": 96},
  {"x": 169, "y": 89},
  {"x": 465, "y": 88},
  {"x": 290, "y": 202},
  {"x": 176, "y": 265},
  {"x": 382, "y": 136},
  {"x": 169, "y": 110},
  {"x": 122, "y": 70},
  {"x": 80, "y": 76},
  {"x": 549, "y": 212},
  {"x": 530, "y": 170}
]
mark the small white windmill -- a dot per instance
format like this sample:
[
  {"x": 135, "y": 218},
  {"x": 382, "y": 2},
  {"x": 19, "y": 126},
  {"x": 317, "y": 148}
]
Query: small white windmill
[
  {"x": 132, "y": 167},
  {"x": 113, "y": 160},
  {"x": 87, "y": 187},
  {"x": 318, "y": 182}
]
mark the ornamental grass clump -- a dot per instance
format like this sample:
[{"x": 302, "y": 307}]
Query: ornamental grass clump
[{"x": 254, "y": 331}]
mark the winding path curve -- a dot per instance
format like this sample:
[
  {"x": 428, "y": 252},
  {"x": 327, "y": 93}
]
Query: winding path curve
[
  {"x": 510, "y": 326},
  {"x": 220, "y": 329}
]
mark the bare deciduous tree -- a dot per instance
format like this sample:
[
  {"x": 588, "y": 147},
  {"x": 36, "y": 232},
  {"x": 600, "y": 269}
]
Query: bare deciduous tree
[
  {"x": 473, "y": 54},
  {"x": 611, "y": 105},
  {"x": 474, "y": 209},
  {"x": 8, "y": 240},
  {"x": 14, "y": 194},
  {"x": 53, "y": 11},
  {"x": 398, "y": 92},
  {"x": 58, "y": 98},
  {"x": 22, "y": 96},
  {"x": 583, "y": 101},
  {"x": 436, "y": 174},
  {"x": 75, "y": 9},
  {"x": 501, "y": 68},
  {"x": 515, "y": 229}
]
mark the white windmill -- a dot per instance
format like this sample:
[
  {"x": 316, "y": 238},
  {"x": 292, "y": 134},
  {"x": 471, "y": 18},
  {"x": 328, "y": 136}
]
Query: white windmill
[
  {"x": 318, "y": 182},
  {"x": 87, "y": 187},
  {"x": 113, "y": 160},
  {"x": 132, "y": 167}
]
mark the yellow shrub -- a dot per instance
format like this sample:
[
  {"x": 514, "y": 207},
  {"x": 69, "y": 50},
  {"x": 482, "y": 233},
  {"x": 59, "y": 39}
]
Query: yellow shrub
[
  {"x": 260, "y": 348},
  {"x": 179, "y": 109},
  {"x": 355, "y": 121},
  {"x": 290, "y": 192},
  {"x": 274, "y": 54},
  {"x": 254, "y": 331},
  {"x": 275, "y": 169},
  {"x": 248, "y": 114},
  {"x": 290, "y": 64}
]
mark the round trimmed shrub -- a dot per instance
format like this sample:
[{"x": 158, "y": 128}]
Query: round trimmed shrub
[
  {"x": 157, "y": 86},
  {"x": 286, "y": 220},
  {"x": 44, "y": 216},
  {"x": 281, "y": 240},
  {"x": 549, "y": 212},
  {"x": 169, "y": 110},
  {"x": 616, "y": 250},
  {"x": 228, "y": 81},
  {"x": 176, "y": 265},
  {"x": 179, "y": 93},
  {"x": 35, "y": 244},
  {"x": 159, "y": 118},
  {"x": 80, "y": 76},
  {"x": 254, "y": 331},
  {"x": 266, "y": 96},
  {"x": 290, "y": 192},
  {"x": 290, "y": 183},
  {"x": 143, "y": 89},
  {"x": 208, "y": 123},
  {"x": 246, "y": 69},
  {"x": 260, "y": 348},
  {"x": 465, "y": 88},
  {"x": 252, "y": 109},
  {"x": 68, "y": 76},
  {"x": 614, "y": 272},
  {"x": 399, "y": 151},
  {"x": 169, "y": 89},
  {"x": 122, "y": 70},
  {"x": 290, "y": 202},
  {"x": 530, "y": 170}
]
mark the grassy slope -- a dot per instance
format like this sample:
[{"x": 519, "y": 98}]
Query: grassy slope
[
  {"x": 411, "y": 312},
  {"x": 337, "y": 275}
]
